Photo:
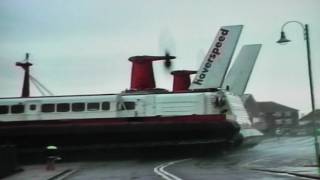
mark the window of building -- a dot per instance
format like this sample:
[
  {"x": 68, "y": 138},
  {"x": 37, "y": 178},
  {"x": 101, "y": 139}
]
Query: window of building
[
  {"x": 277, "y": 114},
  {"x": 105, "y": 105},
  {"x": 93, "y": 106},
  {"x": 288, "y": 113},
  {"x": 129, "y": 105},
  {"x": 63, "y": 107},
  {"x": 288, "y": 121},
  {"x": 47, "y": 108},
  {"x": 77, "y": 107},
  {"x": 278, "y": 121},
  {"x": 4, "y": 109},
  {"x": 32, "y": 107},
  {"x": 16, "y": 109},
  {"x": 256, "y": 120}
]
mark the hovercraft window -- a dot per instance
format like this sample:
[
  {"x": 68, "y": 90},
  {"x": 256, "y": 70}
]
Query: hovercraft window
[
  {"x": 32, "y": 107},
  {"x": 105, "y": 105},
  {"x": 4, "y": 109},
  {"x": 16, "y": 109},
  {"x": 47, "y": 108},
  {"x": 77, "y": 107},
  {"x": 93, "y": 106},
  {"x": 63, "y": 107},
  {"x": 129, "y": 105}
]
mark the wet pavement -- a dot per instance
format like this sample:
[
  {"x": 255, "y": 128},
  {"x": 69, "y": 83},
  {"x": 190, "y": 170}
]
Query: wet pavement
[
  {"x": 271, "y": 159},
  {"x": 274, "y": 158}
]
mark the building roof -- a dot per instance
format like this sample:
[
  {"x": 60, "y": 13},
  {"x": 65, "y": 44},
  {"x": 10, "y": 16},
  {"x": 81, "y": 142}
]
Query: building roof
[
  {"x": 246, "y": 97},
  {"x": 312, "y": 116},
  {"x": 250, "y": 104},
  {"x": 270, "y": 106}
]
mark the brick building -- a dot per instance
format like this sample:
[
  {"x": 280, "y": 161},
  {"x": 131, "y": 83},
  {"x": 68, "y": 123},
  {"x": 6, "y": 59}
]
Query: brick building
[{"x": 269, "y": 116}]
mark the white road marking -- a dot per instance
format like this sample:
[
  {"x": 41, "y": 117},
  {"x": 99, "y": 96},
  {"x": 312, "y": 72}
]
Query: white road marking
[
  {"x": 165, "y": 174},
  {"x": 284, "y": 174},
  {"x": 252, "y": 164}
]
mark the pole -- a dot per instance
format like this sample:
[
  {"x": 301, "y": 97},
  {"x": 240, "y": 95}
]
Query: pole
[
  {"x": 309, "y": 66},
  {"x": 316, "y": 143},
  {"x": 26, "y": 81}
]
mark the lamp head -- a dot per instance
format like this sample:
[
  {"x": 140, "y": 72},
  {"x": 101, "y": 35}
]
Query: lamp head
[{"x": 283, "y": 39}]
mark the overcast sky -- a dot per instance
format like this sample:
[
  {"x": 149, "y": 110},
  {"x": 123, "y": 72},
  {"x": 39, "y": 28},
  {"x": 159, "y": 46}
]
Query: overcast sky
[{"x": 82, "y": 46}]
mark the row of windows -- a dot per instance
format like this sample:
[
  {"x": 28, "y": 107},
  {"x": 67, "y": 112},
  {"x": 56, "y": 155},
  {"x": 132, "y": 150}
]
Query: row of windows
[
  {"x": 75, "y": 107},
  {"x": 15, "y": 109},
  {"x": 283, "y": 121},
  {"x": 65, "y": 107}
]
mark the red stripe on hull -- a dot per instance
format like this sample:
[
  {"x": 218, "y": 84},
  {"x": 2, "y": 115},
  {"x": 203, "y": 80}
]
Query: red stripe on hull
[
  {"x": 114, "y": 121},
  {"x": 121, "y": 130}
]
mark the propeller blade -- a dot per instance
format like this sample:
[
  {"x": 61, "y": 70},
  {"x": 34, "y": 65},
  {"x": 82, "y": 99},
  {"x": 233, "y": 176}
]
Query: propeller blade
[
  {"x": 168, "y": 62},
  {"x": 27, "y": 56},
  {"x": 166, "y": 42}
]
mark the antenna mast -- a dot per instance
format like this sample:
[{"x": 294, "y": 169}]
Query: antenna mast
[{"x": 26, "y": 81}]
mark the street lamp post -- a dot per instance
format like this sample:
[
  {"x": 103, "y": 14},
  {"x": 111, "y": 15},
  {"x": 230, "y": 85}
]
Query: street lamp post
[{"x": 283, "y": 39}]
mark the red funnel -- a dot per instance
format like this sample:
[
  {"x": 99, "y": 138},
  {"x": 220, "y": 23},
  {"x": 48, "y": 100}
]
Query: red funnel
[
  {"x": 142, "y": 77},
  {"x": 181, "y": 80}
]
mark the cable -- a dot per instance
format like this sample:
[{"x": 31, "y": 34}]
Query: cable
[{"x": 39, "y": 86}]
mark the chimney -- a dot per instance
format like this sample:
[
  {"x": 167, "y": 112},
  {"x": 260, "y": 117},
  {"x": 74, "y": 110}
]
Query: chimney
[
  {"x": 181, "y": 80},
  {"x": 142, "y": 76}
]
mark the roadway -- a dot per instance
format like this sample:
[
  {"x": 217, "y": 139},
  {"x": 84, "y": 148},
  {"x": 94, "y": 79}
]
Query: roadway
[
  {"x": 284, "y": 154},
  {"x": 288, "y": 154}
]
